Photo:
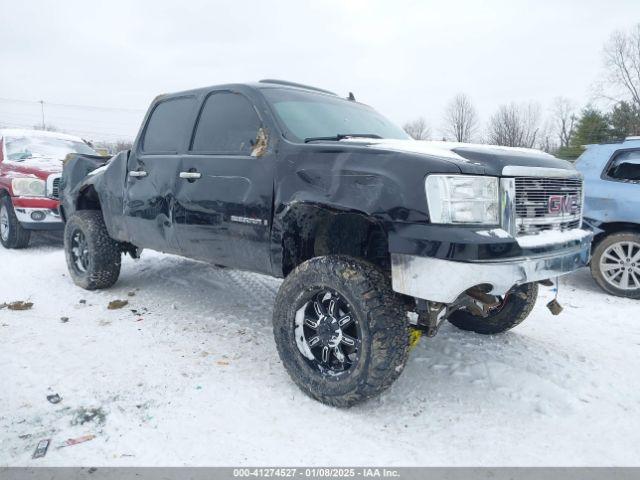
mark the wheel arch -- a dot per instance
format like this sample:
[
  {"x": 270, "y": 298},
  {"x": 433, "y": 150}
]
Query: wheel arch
[
  {"x": 310, "y": 230},
  {"x": 611, "y": 228}
]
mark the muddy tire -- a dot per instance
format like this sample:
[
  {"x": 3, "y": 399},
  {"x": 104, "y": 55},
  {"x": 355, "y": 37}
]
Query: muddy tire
[
  {"x": 341, "y": 332},
  {"x": 613, "y": 257},
  {"x": 12, "y": 234},
  {"x": 516, "y": 306},
  {"x": 93, "y": 257}
]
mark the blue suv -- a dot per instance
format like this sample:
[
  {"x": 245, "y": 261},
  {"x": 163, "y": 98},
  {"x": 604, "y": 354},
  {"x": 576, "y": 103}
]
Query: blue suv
[{"x": 612, "y": 209}]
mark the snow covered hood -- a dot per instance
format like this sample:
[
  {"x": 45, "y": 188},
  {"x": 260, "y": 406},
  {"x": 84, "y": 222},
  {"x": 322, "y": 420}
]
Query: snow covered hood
[
  {"x": 38, "y": 164},
  {"x": 470, "y": 158}
]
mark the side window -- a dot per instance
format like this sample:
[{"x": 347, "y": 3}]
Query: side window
[
  {"x": 227, "y": 124},
  {"x": 625, "y": 166},
  {"x": 168, "y": 126}
]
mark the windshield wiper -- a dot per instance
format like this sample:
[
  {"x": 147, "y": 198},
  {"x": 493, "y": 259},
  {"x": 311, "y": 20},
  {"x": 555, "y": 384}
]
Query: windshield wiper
[{"x": 342, "y": 136}]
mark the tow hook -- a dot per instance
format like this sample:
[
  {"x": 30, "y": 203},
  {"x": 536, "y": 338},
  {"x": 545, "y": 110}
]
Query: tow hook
[
  {"x": 554, "y": 306},
  {"x": 430, "y": 316}
]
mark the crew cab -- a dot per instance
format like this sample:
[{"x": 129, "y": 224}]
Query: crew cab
[
  {"x": 373, "y": 232},
  {"x": 30, "y": 170},
  {"x": 612, "y": 209}
]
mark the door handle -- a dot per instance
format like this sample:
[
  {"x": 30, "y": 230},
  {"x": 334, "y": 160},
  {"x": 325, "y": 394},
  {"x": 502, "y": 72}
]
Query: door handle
[
  {"x": 137, "y": 173},
  {"x": 190, "y": 175}
]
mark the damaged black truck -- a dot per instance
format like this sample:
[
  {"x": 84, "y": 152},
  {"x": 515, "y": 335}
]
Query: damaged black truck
[{"x": 374, "y": 233}]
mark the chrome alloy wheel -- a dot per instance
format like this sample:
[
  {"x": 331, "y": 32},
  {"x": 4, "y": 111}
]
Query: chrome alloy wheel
[
  {"x": 4, "y": 223},
  {"x": 327, "y": 333},
  {"x": 80, "y": 251},
  {"x": 620, "y": 265}
]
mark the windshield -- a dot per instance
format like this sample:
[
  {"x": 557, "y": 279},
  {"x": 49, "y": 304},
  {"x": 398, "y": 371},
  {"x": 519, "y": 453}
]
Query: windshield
[
  {"x": 309, "y": 115},
  {"x": 20, "y": 148}
]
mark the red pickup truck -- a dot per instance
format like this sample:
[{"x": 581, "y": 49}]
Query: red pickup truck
[{"x": 30, "y": 169}]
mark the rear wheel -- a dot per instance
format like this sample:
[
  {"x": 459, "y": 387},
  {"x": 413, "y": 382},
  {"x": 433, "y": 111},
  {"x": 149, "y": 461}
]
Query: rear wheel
[
  {"x": 12, "y": 234},
  {"x": 512, "y": 310},
  {"x": 615, "y": 265},
  {"x": 93, "y": 257},
  {"x": 341, "y": 332}
]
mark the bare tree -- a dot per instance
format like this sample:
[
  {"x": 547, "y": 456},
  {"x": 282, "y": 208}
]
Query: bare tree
[
  {"x": 460, "y": 119},
  {"x": 418, "y": 129},
  {"x": 564, "y": 120},
  {"x": 515, "y": 125},
  {"x": 622, "y": 60},
  {"x": 547, "y": 141}
]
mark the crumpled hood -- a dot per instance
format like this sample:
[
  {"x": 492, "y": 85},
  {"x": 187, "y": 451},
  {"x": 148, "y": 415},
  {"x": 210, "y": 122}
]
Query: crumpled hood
[{"x": 470, "y": 158}]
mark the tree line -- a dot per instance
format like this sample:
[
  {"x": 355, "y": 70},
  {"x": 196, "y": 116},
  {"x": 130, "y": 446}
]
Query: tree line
[{"x": 565, "y": 128}]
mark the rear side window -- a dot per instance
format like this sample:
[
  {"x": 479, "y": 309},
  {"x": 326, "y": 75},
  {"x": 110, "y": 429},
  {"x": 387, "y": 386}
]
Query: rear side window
[
  {"x": 625, "y": 166},
  {"x": 168, "y": 126},
  {"x": 228, "y": 124}
]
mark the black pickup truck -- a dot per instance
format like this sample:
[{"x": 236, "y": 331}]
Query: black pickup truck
[{"x": 373, "y": 232}]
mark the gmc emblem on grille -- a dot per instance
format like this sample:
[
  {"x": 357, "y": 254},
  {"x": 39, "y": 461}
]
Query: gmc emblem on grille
[{"x": 559, "y": 204}]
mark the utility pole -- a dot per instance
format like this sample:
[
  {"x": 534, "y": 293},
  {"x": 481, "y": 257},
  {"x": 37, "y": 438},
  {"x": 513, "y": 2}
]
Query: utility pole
[{"x": 42, "y": 110}]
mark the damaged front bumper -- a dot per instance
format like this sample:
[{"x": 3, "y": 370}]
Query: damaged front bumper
[{"x": 442, "y": 280}]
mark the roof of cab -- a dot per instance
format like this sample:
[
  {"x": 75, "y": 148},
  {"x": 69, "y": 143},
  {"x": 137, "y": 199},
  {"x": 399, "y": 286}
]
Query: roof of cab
[{"x": 260, "y": 85}]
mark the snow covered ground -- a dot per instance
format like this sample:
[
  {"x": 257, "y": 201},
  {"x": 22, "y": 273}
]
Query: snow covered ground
[{"x": 194, "y": 378}]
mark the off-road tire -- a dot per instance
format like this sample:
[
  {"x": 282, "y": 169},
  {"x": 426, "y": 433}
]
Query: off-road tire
[
  {"x": 517, "y": 305},
  {"x": 381, "y": 317},
  {"x": 18, "y": 236},
  {"x": 105, "y": 255},
  {"x": 599, "y": 250}
]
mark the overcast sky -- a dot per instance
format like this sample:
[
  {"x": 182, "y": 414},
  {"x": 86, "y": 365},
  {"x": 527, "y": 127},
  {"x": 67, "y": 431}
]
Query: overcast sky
[{"x": 405, "y": 58}]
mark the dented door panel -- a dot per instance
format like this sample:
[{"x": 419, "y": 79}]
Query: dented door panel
[{"x": 150, "y": 201}]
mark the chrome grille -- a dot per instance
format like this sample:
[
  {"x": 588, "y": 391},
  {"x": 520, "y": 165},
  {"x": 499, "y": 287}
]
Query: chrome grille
[
  {"x": 547, "y": 204},
  {"x": 53, "y": 186}
]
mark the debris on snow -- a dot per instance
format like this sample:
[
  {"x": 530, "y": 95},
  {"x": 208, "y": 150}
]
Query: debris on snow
[
  {"x": 554, "y": 307},
  {"x": 75, "y": 441},
  {"x": 117, "y": 304},
  {"x": 55, "y": 398},
  {"x": 41, "y": 448},
  {"x": 18, "y": 305},
  {"x": 64, "y": 319},
  {"x": 85, "y": 415}
]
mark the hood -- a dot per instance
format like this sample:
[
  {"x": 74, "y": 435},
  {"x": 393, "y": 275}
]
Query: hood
[
  {"x": 40, "y": 167},
  {"x": 470, "y": 158}
]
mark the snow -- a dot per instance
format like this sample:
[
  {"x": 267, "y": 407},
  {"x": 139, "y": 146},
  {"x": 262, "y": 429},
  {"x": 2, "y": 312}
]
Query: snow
[
  {"x": 439, "y": 148},
  {"x": 495, "y": 233},
  {"x": 196, "y": 380},
  {"x": 549, "y": 237},
  {"x": 23, "y": 132}
]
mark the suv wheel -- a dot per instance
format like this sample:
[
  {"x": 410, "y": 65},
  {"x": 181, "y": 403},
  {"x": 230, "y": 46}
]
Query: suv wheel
[
  {"x": 93, "y": 257},
  {"x": 514, "y": 308},
  {"x": 341, "y": 332},
  {"x": 12, "y": 234},
  {"x": 615, "y": 264}
]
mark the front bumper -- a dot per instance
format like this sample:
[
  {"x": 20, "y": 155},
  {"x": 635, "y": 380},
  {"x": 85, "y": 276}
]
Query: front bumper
[
  {"x": 440, "y": 280},
  {"x": 39, "y": 218}
]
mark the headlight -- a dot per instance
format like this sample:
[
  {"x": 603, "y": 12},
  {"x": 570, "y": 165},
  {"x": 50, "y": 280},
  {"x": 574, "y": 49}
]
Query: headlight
[
  {"x": 462, "y": 199},
  {"x": 28, "y": 187}
]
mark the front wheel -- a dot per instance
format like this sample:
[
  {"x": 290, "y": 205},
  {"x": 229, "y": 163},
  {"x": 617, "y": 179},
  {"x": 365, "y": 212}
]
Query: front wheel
[
  {"x": 93, "y": 257},
  {"x": 341, "y": 332},
  {"x": 615, "y": 265},
  {"x": 512, "y": 310},
  {"x": 12, "y": 234}
]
